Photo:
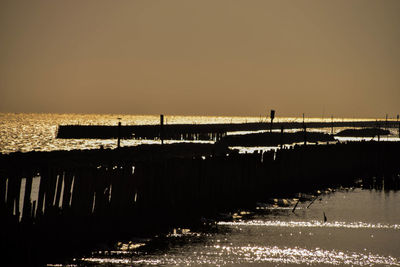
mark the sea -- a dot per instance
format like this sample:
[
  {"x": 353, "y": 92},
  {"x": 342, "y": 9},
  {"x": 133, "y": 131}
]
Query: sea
[{"x": 333, "y": 227}]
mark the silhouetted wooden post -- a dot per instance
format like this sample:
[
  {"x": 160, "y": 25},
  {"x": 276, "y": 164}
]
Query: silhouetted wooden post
[
  {"x": 305, "y": 131},
  {"x": 379, "y": 134},
  {"x": 281, "y": 136},
  {"x": 162, "y": 128},
  {"x": 68, "y": 178},
  {"x": 50, "y": 189},
  {"x": 42, "y": 190},
  {"x": 272, "y": 119},
  {"x": 119, "y": 134},
  {"x": 17, "y": 196},
  {"x": 58, "y": 189},
  {"x": 386, "y": 122},
  {"x": 33, "y": 209},
  {"x": 26, "y": 210}
]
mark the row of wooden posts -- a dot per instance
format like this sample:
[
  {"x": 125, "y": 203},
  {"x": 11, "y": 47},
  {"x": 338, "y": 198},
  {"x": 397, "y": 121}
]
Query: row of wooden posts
[
  {"x": 205, "y": 132},
  {"x": 104, "y": 188},
  {"x": 85, "y": 199}
]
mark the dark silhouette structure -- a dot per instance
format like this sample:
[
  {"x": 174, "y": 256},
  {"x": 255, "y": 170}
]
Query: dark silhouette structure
[
  {"x": 91, "y": 196},
  {"x": 366, "y": 132},
  {"x": 272, "y": 116},
  {"x": 273, "y": 139},
  {"x": 210, "y": 132}
]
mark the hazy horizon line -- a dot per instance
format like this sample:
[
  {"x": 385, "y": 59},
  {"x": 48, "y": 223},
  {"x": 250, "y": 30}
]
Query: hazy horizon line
[{"x": 390, "y": 117}]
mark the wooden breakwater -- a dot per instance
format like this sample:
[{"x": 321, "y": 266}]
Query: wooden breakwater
[
  {"x": 87, "y": 197},
  {"x": 197, "y": 131}
]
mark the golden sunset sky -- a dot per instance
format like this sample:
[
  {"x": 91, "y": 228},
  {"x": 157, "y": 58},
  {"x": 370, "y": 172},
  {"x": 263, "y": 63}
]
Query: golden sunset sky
[{"x": 217, "y": 57}]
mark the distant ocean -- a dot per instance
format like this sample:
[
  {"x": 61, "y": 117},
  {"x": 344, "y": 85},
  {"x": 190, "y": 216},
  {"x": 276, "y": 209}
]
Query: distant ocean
[{"x": 36, "y": 132}]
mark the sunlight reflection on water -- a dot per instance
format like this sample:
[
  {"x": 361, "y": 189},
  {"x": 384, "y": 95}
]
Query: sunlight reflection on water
[
  {"x": 245, "y": 255},
  {"x": 359, "y": 236},
  {"x": 28, "y": 132},
  {"x": 313, "y": 223}
]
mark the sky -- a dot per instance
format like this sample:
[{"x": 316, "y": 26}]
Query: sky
[{"x": 236, "y": 57}]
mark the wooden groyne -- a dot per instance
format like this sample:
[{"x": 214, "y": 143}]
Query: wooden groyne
[
  {"x": 169, "y": 132},
  {"x": 87, "y": 197},
  {"x": 197, "y": 131}
]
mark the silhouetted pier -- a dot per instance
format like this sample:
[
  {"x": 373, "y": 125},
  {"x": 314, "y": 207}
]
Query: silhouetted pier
[
  {"x": 197, "y": 131},
  {"x": 87, "y": 197}
]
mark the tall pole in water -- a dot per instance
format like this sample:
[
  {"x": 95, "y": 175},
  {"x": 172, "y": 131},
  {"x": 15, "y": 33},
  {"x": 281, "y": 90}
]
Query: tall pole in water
[
  {"x": 162, "y": 128},
  {"x": 272, "y": 119},
  {"x": 305, "y": 131},
  {"x": 378, "y": 129},
  {"x": 119, "y": 133},
  {"x": 386, "y": 122}
]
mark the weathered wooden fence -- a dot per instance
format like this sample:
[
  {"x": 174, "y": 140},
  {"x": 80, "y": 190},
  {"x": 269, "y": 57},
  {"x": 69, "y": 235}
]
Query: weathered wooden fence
[{"x": 73, "y": 198}]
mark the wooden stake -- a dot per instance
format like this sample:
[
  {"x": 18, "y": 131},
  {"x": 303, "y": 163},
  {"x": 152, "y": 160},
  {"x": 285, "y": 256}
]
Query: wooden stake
[
  {"x": 162, "y": 128},
  {"x": 119, "y": 135}
]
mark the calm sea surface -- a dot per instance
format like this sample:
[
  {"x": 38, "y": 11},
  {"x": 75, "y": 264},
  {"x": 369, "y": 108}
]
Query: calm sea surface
[
  {"x": 362, "y": 227},
  {"x": 36, "y": 132},
  {"x": 28, "y": 132}
]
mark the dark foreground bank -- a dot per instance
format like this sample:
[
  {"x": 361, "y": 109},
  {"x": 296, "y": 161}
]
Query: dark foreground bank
[
  {"x": 91, "y": 197},
  {"x": 367, "y": 132},
  {"x": 274, "y": 138}
]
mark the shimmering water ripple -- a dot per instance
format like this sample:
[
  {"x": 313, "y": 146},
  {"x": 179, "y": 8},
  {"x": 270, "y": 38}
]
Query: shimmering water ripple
[
  {"x": 313, "y": 223},
  {"x": 244, "y": 255},
  {"x": 365, "y": 233}
]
